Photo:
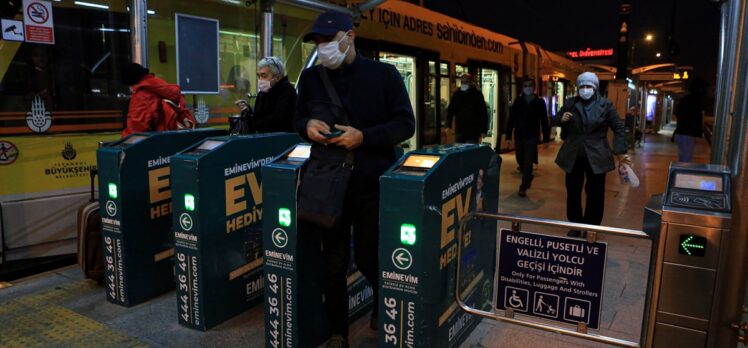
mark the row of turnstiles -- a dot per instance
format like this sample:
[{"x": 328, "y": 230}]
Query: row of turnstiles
[{"x": 214, "y": 218}]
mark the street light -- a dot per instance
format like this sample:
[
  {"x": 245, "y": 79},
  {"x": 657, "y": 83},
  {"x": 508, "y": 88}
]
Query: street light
[
  {"x": 658, "y": 55},
  {"x": 649, "y": 37}
]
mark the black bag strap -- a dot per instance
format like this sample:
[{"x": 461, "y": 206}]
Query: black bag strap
[{"x": 333, "y": 94}]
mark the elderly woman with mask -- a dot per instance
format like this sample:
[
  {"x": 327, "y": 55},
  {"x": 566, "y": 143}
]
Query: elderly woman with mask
[
  {"x": 586, "y": 155},
  {"x": 276, "y": 98}
]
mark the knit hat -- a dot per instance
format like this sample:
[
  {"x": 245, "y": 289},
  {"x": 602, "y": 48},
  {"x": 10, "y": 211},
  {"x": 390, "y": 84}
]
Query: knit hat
[{"x": 588, "y": 79}]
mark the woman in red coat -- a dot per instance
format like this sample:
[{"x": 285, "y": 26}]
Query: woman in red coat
[{"x": 145, "y": 112}]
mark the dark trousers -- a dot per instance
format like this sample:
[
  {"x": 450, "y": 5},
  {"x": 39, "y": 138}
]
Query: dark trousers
[
  {"x": 526, "y": 152},
  {"x": 361, "y": 211},
  {"x": 467, "y": 139},
  {"x": 594, "y": 188}
]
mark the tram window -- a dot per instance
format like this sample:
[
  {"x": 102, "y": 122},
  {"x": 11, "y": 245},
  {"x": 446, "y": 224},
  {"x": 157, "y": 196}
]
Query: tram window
[
  {"x": 406, "y": 65},
  {"x": 79, "y": 72}
]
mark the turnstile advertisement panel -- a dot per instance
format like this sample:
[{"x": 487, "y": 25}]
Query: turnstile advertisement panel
[
  {"x": 423, "y": 199},
  {"x": 135, "y": 200},
  {"x": 294, "y": 308},
  {"x": 218, "y": 215}
]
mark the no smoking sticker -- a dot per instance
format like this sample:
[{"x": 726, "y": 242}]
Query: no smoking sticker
[{"x": 8, "y": 152}]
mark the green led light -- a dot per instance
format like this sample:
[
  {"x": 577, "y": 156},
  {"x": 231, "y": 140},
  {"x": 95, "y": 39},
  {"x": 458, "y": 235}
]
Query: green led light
[
  {"x": 284, "y": 217},
  {"x": 692, "y": 245},
  {"x": 112, "y": 190},
  {"x": 189, "y": 202},
  {"x": 408, "y": 234}
]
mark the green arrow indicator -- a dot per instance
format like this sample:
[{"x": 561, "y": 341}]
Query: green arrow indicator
[{"x": 692, "y": 245}]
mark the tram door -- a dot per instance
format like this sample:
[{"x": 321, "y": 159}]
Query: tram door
[
  {"x": 489, "y": 82},
  {"x": 406, "y": 65}
]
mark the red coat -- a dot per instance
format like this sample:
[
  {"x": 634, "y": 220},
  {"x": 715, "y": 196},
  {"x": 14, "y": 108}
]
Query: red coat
[{"x": 145, "y": 104}]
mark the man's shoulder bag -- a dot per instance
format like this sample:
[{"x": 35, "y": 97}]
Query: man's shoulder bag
[{"x": 325, "y": 180}]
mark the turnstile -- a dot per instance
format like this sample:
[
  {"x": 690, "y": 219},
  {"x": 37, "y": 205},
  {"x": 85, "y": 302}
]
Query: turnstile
[
  {"x": 689, "y": 226},
  {"x": 294, "y": 270},
  {"x": 135, "y": 200},
  {"x": 218, "y": 214},
  {"x": 424, "y": 197}
]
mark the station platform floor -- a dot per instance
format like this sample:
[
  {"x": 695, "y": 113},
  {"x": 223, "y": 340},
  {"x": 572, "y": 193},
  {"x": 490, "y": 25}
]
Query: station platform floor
[{"x": 62, "y": 309}]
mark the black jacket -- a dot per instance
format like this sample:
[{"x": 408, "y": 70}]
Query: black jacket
[
  {"x": 374, "y": 96},
  {"x": 274, "y": 109},
  {"x": 470, "y": 109},
  {"x": 689, "y": 117},
  {"x": 526, "y": 120},
  {"x": 589, "y": 133}
]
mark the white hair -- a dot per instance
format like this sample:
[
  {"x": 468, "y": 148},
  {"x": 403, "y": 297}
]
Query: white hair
[{"x": 274, "y": 64}]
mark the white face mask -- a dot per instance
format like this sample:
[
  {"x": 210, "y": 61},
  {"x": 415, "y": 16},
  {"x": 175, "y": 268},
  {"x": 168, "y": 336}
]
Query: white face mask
[
  {"x": 464, "y": 87},
  {"x": 329, "y": 53},
  {"x": 586, "y": 93},
  {"x": 263, "y": 85},
  {"x": 528, "y": 90}
]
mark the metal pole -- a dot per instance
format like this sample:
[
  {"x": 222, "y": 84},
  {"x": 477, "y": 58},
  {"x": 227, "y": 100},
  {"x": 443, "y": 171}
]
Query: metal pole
[
  {"x": 730, "y": 22},
  {"x": 733, "y": 291},
  {"x": 139, "y": 31},
  {"x": 266, "y": 32}
]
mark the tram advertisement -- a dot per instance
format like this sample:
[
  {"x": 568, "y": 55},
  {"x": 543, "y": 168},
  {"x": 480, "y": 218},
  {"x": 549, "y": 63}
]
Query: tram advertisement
[{"x": 48, "y": 163}]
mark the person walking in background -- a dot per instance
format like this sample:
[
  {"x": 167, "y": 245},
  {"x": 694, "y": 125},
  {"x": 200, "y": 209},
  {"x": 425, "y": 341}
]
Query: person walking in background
[
  {"x": 689, "y": 115},
  {"x": 586, "y": 155},
  {"x": 467, "y": 113},
  {"x": 276, "y": 98},
  {"x": 527, "y": 118},
  {"x": 146, "y": 112}
]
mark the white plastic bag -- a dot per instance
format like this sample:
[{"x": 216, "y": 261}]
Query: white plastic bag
[{"x": 627, "y": 175}]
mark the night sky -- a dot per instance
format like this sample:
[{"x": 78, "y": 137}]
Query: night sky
[{"x": 565, "y": 25}]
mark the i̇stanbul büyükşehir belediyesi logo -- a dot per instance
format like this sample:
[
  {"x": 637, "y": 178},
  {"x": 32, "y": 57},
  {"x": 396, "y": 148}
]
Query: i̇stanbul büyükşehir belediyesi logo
[{"x": 69, "y": 152}]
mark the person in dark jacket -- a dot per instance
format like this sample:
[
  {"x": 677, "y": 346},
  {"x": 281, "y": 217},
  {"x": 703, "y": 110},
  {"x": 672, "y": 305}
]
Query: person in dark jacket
[
  {"x": 276, "y": 100},
  {"x": 467, "y": 109},
  {"x": 689, "y": 114},
  {"x": 527, "y": 118},
  {"x": 586, "y": 154},
  {"x": 143, "y": 114},
  {"x": 381, "y": 116}
]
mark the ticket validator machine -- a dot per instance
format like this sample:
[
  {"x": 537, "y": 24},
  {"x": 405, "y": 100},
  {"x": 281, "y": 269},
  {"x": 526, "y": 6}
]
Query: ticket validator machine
[
  {"x": 135, "y": 200},
  {"x": 294, "y": 310},
  {"x": 689, "y": 225},
  {"x": 424, "y": 197},
  {"x": 218, "y": 213}
]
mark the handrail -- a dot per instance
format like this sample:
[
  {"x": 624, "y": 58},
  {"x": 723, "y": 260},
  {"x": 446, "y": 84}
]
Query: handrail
[{"x": 508, "y": 316}]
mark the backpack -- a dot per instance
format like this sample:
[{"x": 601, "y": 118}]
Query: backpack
[{"x": 174, "y": 116}]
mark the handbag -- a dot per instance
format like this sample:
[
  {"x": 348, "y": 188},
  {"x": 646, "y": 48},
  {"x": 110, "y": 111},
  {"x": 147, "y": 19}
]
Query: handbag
[{"x": 325, "y": 179}]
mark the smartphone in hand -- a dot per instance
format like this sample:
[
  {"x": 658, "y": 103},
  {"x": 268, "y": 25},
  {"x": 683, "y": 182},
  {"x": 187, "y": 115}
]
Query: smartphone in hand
[{"x": 333, "y": 134}]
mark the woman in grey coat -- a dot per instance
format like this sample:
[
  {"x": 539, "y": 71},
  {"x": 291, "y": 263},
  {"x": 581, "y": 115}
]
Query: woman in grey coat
[{"x": 586, "y": 155}]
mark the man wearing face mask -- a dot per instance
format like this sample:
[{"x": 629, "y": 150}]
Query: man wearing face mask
[
  {"x": 527, "y": 117},
  {"x": 276, "y": 98},
  {"x": 380, "y": 117},
  {"x": 467, "y": 109},
  {"x": 586, "y": 155}
]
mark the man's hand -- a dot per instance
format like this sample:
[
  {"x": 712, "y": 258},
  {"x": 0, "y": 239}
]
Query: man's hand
[
  {"x": 350, "y": 139},
  {"x": 625, "y": 159},
  {"x": 315, "y": 130},
  {"x": 566, "y": 117}
]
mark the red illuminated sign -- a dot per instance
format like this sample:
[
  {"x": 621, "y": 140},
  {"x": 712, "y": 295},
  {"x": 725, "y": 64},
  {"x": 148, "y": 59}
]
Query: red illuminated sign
[{"x": 590, "y": 53}]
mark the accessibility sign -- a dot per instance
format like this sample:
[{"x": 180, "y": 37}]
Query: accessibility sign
[
  {"x": 554, "y": 278},
  {"x": 38, "y": 22}
]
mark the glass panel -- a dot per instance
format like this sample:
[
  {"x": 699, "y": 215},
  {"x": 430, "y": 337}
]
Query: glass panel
[
  {"x": 490, "y": 89},
  {"x": 73, "y": 83},
  {"x": 406, "y": 65},
  {"x": 444, "y": 69},
  {"x": 459, "y": 71},
  {"x": 238, "y": 46},
  {"x": 431, "y": 116}
]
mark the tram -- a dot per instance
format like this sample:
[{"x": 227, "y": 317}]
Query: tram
[{"x": 59, "y": 100}]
